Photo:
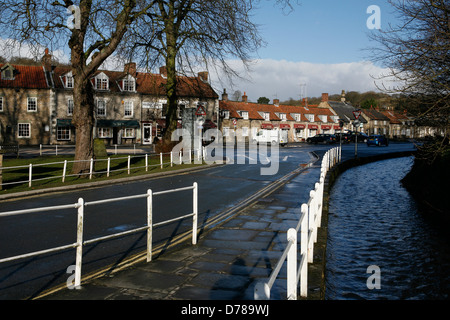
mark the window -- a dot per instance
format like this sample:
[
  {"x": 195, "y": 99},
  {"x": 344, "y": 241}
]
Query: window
[
  {"x": 267, "y": 116},
  {"x": 282, "y": 116},
  {"x": 128, "y": 106},
  {"x": 323, "y": 118},
  {"x": 63, "y": 133},
  {"x": 129, "y": 84},
  {"x": 226, "y": 114},
  {"x": 8, "y": 73},
  {"x": 310, "y": 117},
  {"x": 101, "y": 108},
  {"x": 297, "y": 117},
  {"x": 1, "y": 104},
  {"x": 70, "y": 106},
  {"x": 69, "y": 81},
  {"x": 129, "y": 133},
  {"x": 32, "y": 104},
  {"x": 24, "y": 130},
  {"x": 244, "y": 115},
  {"x": 104, "y": 132},
  {"x": 101, "y": 82}
]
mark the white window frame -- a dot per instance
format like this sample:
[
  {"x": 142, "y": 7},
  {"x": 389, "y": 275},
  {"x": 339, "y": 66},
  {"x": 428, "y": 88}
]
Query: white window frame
[
  {"x": 128, "y": 107},
  {"x": 244, "y": 115},
  {"x": 297, "y": 117},
  {"x": 226, "y": 114},
  {"x": 97, "y": 110},
  {"x": 59, "y": 132},
  {"x": 70, "y": 106},
  {"x": 104, "y": 132},
  {"x": 310, "y": 117},
  {"x": 282, "y": 116},
  {"x": 323, "y": 118},
  {"x": 69, "y": 81},
  {"x": 102, "y": 82},
  {"x": 129, "y": 133},
  {"x": 267, "y": 116},
  {"x": 129, "y": 84},
  {"x": 30, "y": 99},
  {"x": 19, "y": 130}
]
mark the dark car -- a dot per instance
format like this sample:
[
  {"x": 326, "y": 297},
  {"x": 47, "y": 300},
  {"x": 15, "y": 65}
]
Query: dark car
[
  {"x": 344, "y": 137},
  {"x": 362, "y": 137},
  {"x": 377, "y": 140},
  {"x": 322, "y": 138}
]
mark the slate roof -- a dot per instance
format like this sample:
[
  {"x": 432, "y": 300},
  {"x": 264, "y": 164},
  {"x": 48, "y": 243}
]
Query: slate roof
[{"x": 345, "y": 111}]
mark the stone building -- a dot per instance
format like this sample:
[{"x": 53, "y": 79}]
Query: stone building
[{"x": 36, "y": 104}]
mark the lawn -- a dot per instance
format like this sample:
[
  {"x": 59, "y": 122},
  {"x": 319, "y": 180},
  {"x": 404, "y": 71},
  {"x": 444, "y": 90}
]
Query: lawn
[{"x": 47, "y": 171}]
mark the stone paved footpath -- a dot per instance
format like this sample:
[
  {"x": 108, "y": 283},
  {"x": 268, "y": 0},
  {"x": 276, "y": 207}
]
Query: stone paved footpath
[{"x": 226, "y": 263}]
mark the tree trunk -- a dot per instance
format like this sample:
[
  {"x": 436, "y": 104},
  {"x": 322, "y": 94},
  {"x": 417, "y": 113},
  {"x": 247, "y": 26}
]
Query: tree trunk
[{"x": 83, "y": 120}]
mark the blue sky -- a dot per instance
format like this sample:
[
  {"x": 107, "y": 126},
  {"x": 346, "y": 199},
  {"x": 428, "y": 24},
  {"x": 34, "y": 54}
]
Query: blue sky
[
  {"x": 321, "y": 43},
  {"x": 320, "y": 31}
]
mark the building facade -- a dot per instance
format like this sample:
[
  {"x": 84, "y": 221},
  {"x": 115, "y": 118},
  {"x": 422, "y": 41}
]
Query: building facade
[{"x": 36, "y": 104}]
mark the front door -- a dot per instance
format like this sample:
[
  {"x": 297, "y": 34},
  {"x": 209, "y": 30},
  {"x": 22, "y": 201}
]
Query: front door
[{"x": 147, "y": 137}]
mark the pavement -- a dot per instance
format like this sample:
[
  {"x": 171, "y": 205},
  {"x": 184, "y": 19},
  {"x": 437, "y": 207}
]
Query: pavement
[{"x": 226, "y": 263}]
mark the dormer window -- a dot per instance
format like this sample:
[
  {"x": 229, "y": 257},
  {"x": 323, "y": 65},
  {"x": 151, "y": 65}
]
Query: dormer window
[
  {"x": 310, "y": 117},
  {"x": 69, "y": 81},
  {"x": 244, "y": 115},
  {"x": 8, "y": 72},
  {"x": 102, "y": 82},
  {"x": 129, "y": 84}
]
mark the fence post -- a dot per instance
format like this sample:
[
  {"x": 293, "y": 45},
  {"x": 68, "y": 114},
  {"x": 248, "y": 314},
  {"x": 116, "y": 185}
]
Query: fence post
[
  {"x": 1, "y": 165},
  {"x": 79, "y": 255},
  {"x": 56, "y": 150},
  {"x": 108, "y": 167},
  {"x": 171, "y": 159},
  {"x": 292, "y": 265},
  {"x": 195, "y": 212},
  {"x": 129, "y": 163},
  {"x": 311, "y": 214},
  {"x": 149, "y": 224},
  {"x": 161, "y": 159},
  {"x": 146, "y": 162},
  {"x": 30, "y": 174},
  {"x": 40, "y": 149},
  {"x": 64, "y": 171},
  {"x": 262, "y": 291},
  {"x": 91, "y": 168},
  {"x": 304, "y": 251}
]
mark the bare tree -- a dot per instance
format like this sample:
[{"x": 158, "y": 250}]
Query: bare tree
[
  {"x": 186, "y": 34},
  {"x": 417, "y": 51},
  {"x": 92, "y": 34}
]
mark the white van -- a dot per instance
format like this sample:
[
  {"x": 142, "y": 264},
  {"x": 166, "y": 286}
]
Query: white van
[{"x": 272, "y": 136}]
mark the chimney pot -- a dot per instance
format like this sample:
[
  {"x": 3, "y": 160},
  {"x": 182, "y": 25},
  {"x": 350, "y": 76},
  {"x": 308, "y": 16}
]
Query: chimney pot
[
  {"x": 163, "y": 71},
  {"x": 203, "y": 76},
  {"x": 276, "y": 102},
  {"x": 224, "y": 95},
  {"x": 130, "y": 68},
  {"x": 47, "y": 61}
]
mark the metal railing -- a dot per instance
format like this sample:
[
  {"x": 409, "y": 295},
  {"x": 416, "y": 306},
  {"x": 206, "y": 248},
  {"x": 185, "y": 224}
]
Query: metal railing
[
  {"x": 309, "y": 222},
  {"x": 80, "y": 242},
  {"x": 172, "y": 159}
]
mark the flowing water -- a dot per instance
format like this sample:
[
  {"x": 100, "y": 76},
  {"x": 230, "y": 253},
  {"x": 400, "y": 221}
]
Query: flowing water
[{"x": 374, "y": 221}]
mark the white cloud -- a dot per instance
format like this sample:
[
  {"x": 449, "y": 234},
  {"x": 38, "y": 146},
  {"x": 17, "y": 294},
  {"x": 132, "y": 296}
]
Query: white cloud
[{"x": 282, "y": 79}]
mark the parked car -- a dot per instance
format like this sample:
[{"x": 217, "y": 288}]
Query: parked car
[
  {"x": 362, "y": 137},
  {"x": 345, "y": 137},
  {"x": 377, "y": 140},
  {"x": 322, "y": 138}
]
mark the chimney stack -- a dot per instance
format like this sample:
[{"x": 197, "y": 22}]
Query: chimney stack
[
  {"x": 203, "y": 76},
  {"x": 324, "y": 97},
  {"x": 130, "y": 68},
  {"x": 276, "y": 102},
  {"x": 163, "y": 71},
  {"x": 224, "y": 95},
  {"x": 244, "y": 98},
  {"x": 343, "y": 96},
  {"x": 47, "y": 61}
]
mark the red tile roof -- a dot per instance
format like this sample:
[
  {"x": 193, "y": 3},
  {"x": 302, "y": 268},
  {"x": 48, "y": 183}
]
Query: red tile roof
[
  {"x": 149, "y": 83},
  {"x": 27, "y": 77}
]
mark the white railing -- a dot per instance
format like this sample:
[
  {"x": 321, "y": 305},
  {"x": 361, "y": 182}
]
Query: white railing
[
  {"x": 81, "y": 204},
  {"x": 178, "y": 158},
  {"x": 309, "y": 222}
]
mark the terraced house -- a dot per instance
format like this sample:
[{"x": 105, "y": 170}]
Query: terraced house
[
  {"x": 299, "y": 122},
  {"x": 36, "y": 104}
]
